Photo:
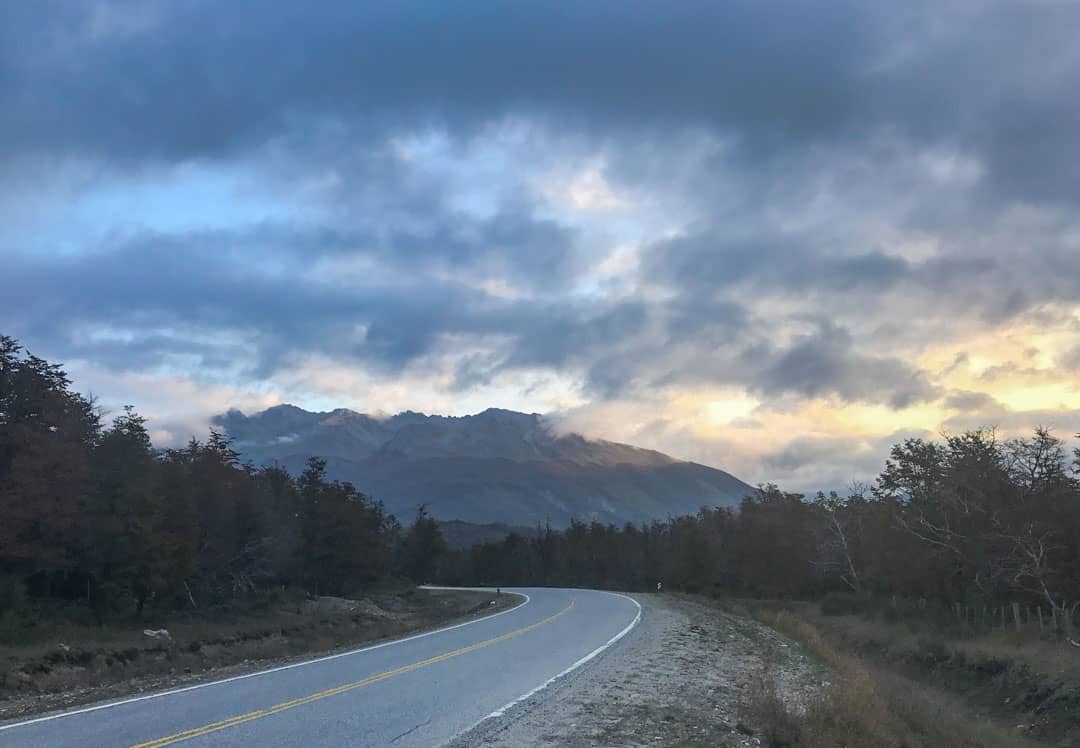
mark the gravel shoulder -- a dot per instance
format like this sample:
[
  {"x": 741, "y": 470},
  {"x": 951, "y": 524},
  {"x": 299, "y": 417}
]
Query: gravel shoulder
[{"x": 677, "y": 679}]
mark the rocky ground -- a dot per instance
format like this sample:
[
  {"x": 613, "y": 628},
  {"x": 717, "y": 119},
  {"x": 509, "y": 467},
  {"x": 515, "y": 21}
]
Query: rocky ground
[{"x": 680, "y": 678}]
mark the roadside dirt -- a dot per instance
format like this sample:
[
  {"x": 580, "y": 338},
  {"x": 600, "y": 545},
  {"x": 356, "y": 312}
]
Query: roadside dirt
[
  {"x": 1028, "y": 681},
  {"x": 99, "y": 666},
  {"x": 679, "y": 678}
]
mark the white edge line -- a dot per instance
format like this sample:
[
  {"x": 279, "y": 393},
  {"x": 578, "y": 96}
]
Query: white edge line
[
  {"x": 506, "y": 707},
  {"x": 195, "y": 687}
]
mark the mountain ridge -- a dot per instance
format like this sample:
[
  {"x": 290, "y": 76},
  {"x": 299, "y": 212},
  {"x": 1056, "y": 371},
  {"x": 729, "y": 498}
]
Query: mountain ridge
[{"x": 496, "y": 466}]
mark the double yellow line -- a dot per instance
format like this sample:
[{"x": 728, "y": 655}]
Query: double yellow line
[{"x": 260, "y": 713}]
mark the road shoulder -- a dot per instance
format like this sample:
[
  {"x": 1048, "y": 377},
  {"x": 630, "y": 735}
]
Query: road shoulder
[{"x": 677, "y": 679}]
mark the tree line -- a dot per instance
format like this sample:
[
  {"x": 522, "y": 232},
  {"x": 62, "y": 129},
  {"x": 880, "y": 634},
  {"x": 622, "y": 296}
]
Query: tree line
[
  {"x": 970, "y": 520},
  {"x": 94, "y": 515}
]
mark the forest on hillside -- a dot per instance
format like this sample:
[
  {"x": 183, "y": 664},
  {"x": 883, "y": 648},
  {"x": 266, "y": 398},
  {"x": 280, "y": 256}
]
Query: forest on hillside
[
  {"x": 971, "y": 521},
  {"x": 94, "y": 516}
]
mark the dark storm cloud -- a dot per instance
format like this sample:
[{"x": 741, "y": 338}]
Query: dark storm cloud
[
  {"x": 209, "y": 80},
  {"x": 971, "y": 401},
  {"x": 199, "y": 296},
  {"x": 187, "y": 294},
  {"x": 790, "y": 90},
  {"x": 961, "y": 360},
  {"x": 711, "y": 261},
  {"x": 573, "y": 332},
  {"x": 249, "y": 297},
  {"x": 1008, "y": 370},
  {"x": 827, "y": 363},
  {"x": 626, "y": 347},
  {"x": 206, "y": 79},
  {"x": 582, "y": 335},
  {"x": 632, "y": 348},
  {"x": 509, "y": 244},
  {"x": 794, "y": 264}
]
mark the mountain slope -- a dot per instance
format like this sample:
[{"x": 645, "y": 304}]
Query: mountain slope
[{"x": 496, "y": 466}]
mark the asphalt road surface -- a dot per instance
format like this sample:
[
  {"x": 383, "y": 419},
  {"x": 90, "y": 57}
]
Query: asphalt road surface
[{"x": 422, "y": 690}]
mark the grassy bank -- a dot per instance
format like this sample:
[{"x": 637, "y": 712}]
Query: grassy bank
[
  {"x": 919, "y": 683},
  {"x": 61, "y": 665}
]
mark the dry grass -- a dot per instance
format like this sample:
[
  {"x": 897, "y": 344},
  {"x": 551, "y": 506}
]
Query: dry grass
[
  {"x": 1042, "y": 653},
  {"x": 866, "y": 706},
  {"x": 65, "y": 664}
]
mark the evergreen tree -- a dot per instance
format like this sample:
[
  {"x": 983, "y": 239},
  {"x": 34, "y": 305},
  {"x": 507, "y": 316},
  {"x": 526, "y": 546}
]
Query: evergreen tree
[{"x": 423, "y": 547}]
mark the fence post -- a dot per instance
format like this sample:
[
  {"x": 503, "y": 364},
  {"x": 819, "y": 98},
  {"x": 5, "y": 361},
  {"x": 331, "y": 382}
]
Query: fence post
[
  {"x": 1016, "y": 614},
  {"x": 1040, "y": 617}
]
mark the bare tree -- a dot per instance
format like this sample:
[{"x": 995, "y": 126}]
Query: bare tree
[{"x": 842, "y": 533}]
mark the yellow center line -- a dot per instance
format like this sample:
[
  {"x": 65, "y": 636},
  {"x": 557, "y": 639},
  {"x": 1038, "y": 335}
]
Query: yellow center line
[{"x": 259, "y": 713}]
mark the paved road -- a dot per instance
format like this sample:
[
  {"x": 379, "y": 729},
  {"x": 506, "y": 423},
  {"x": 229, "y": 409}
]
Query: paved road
[{"x": 418, "y": 691}]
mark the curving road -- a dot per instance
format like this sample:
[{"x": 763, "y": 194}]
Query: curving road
[{"x": 418, "y": 691}]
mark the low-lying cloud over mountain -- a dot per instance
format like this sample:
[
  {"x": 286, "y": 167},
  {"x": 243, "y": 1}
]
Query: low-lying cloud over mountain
[{"x": 495, "y": 466}]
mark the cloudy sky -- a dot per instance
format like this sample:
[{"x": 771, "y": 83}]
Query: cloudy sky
[{"x": 771, "y": 237}]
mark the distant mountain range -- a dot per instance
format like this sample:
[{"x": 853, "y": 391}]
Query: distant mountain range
[{"x": 498, "y": 466}]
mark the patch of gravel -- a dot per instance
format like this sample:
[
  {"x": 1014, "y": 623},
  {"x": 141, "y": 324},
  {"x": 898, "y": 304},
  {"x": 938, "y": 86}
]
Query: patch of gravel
[{"x": 676, "y": 679}]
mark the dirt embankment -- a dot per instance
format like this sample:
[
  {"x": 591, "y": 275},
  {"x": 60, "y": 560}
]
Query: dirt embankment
[
  {"x": 680, "y": 678},
  {"x": 80, "y": 665},
  {"x": 1028, "y": 682}
]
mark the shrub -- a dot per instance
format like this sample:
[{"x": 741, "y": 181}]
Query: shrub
[{"x": 844, "y": 604}]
